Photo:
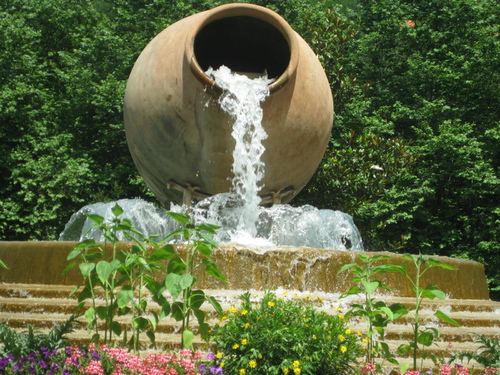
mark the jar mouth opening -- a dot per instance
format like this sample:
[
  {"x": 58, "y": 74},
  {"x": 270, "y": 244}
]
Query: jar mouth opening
[{"x": 248, "y": 39}]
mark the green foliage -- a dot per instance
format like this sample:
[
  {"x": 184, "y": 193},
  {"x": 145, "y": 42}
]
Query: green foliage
[
  {"x": 20, "y": 344},
  {"x": 416, "y": 94},
  {"x": 422, "y": 335},
  {"x": 277, "y": 336},
  {"x": 376, "y": 313},
  {"x": 180, "y": 278},
  {"x": 487, "y": 354},
  {"x": 125, "y": 275},
  {"x": 427, "y": 78}
]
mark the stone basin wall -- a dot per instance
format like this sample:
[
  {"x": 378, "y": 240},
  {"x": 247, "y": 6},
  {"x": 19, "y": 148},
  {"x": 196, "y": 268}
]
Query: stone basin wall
[{"x": 294, "y": 268}]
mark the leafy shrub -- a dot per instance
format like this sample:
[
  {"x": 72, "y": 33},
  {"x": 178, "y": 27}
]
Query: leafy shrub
[
  {"x": 21, "y": 344},
  {"x": 281, "y": 336},
  {"x": 487, "y": 354}
]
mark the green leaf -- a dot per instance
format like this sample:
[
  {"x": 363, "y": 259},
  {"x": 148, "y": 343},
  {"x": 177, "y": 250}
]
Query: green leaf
[
  {"x": 353, "y": 290},
  {"x": 441, "y": 315},
  {"x": 388, "y": 312},
  {"x": 90, "y": 315},
  {"x": 216, "y": 305},
  {"x": 96, "y": 218},
  {"x": 183, "y": 219},
  {"x": 104, "y": 269},
  {"x": 176, "y": 265},
  {"x": 124, "y": 296},
  {"x": 212, "y": 270},
  {"x": 200, "y": 316},
  {"x": 172, "y": 284},
  {"x": 436, "y": 262},
  {"x": 178, "y": 311},
  {"x": 432, "y": 291},
  {"x": 117, "y": 210},
  {"x": 196, "y": 299},
  {"x": 404, "y": 348},
  {"x": 425, "y": 338},
  {"x": 370, "y": 286},
  {"x": 102, "y": 312},
  {"x": 74, "y": 253},
  {"x": 346, "y": 267},
  {"x": 163, "y": 253},
  {"x": 186, "y": 281},
  {"x": 140, "y": 322},
  {"x": 204, "y": 250},
  {"x": 151, "y": 336},
  {"x": 86, "y": 269},
  {"x": 116, "y": 328},
  {"x": 66, "y": 270},
  {"x": 187, "y": 339}
]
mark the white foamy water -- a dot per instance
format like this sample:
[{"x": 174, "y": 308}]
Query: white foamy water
[
  {"x": 241, "y": 99},
  {"x": 242, "y": 220}
]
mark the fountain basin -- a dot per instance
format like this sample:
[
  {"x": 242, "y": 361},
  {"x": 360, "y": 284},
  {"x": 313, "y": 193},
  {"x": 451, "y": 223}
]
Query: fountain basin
[{"x": 293, "y": 268}]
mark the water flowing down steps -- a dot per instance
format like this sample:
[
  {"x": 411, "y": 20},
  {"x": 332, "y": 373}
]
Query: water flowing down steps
[{"x": 44, "y": 306}]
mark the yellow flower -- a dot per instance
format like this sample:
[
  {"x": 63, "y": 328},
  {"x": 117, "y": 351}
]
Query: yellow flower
[
  {"x": 218, "y": 355},
  {"x": 270, "y": 303},
  {"x": 296, "y": 364},
  {"x": 224, "y": 317},
  {"x": 358, "y": 333},
  {"x": 341, "y": 316},
  {"x": 259, "y": 356},
  {"x": 341, "y": 337},
  {"x": 285, "y": 293},
  {"x": 343, "y": 349},
  {"x": 308, "y": 358},
  {"x": 252, "y": 364},
  {"x": 285, "y": 371},
  {"x": 296, "y": 371},
  {"x": 222, "y": 364},
  {"x": 244, "y": 312},
  {"x": 244, "y": 342},
  {"x": 236, "y": 346},
  {"x": 348, "y": 331},
  {"x": 232, "y": 310},
  {"x": 247, "y": 325},
  {"x": 243, "y": 371},
  {"x": 365, "y": 340}
]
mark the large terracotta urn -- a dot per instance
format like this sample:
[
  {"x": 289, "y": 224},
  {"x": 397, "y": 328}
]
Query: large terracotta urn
[{"x": 180, "y": 138}]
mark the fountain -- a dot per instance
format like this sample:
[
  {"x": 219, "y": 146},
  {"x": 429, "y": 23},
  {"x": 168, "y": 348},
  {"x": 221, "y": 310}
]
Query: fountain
[{"x": 181, "y": 141}]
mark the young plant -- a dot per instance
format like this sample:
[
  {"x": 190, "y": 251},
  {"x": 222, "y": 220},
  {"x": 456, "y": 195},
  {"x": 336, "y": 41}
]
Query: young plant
[
  {"x": 180, "y": 275},
  {"x": 119, "y": 276},
  {"x": 376, "y": 313},
  {"x": 278, "y": 336},
  {"x": 21, "y": 344},
  {"x": 422, "y": 335},
  {"x": 487, "y": 354}
]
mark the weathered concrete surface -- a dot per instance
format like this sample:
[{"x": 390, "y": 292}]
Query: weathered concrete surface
[{"x": 302, "y": 269}]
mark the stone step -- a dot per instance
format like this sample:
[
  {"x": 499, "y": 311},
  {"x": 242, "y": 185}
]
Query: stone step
[{"x": 44, "y": 306}]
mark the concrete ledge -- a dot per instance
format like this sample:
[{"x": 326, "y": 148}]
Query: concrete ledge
[{"x": 303, "y": 269}]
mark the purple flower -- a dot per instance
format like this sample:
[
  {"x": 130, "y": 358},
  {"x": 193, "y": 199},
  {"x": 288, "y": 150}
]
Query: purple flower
[
  {"x": 96, "y": 356},
  {"x": 211, "y": 356},
  {"x": 202, "y": 368},
  {"x": 42, "y": 364}
]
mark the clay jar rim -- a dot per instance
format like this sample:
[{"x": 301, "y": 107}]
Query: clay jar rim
[{"x": 249, "y": 10}]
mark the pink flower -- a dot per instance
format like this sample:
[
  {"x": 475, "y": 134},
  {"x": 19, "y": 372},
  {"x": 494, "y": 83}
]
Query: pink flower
[{"x": 369, "y": 367}]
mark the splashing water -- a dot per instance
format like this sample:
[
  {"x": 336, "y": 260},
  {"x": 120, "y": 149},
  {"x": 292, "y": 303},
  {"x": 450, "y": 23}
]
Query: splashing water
[
  {"x": 241, "y": 100},
  {"x": 242, "y": 220}
]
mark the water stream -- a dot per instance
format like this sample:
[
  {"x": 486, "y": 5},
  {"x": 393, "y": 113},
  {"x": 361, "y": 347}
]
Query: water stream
[{"x": 238, "y": 212}]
